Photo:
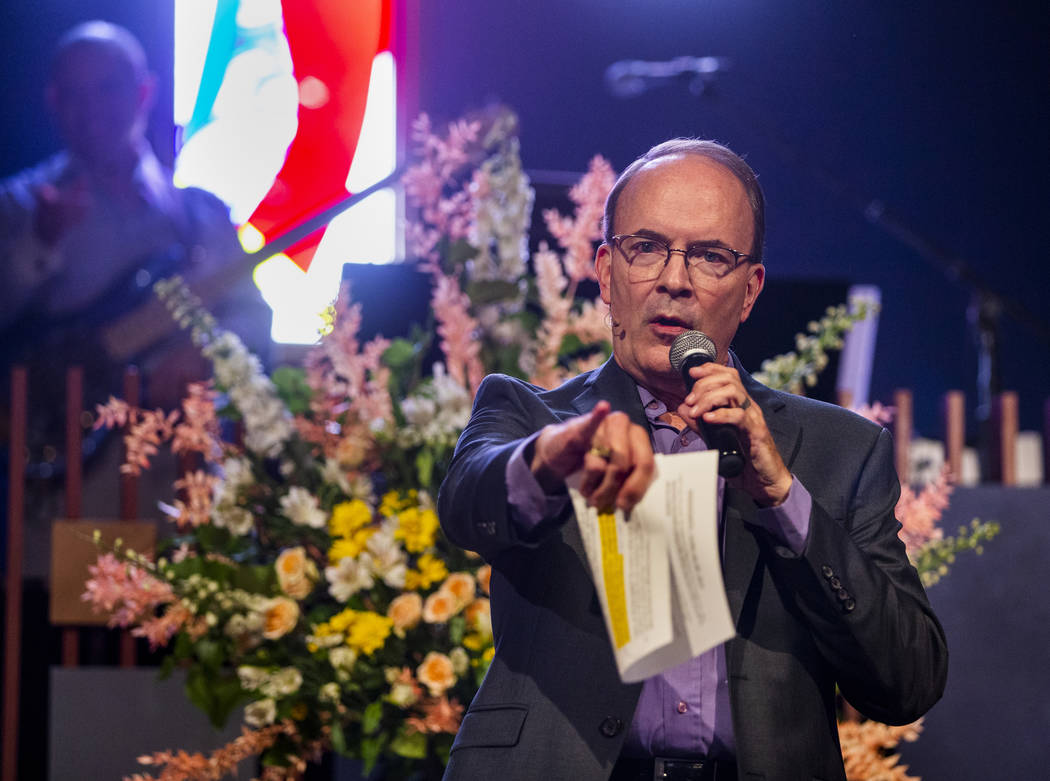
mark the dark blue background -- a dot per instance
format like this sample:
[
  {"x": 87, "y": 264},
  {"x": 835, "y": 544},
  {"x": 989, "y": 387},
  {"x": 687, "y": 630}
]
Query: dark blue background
[{"x": 937, "y": 108}]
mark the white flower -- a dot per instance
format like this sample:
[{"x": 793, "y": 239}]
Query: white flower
[
  {"x": 342, "y": 658},
  {"x": 245, "y": 629},
  {"x": 387, "y": 558},
  {"x": 329, "y": 692},
  {"x": 300, "y": 507},
  {"x": 237, "y": 519},
  {"x": 260, "y": 713},
  {"x": 460, "y": 660},
  {"x": 251, "y": 678},
  {"x": 327, "y": 641},
  {"x": 285, "y": 681},
  {"x": 332, "y": 472},
  {"x": 349, "y": 576}
]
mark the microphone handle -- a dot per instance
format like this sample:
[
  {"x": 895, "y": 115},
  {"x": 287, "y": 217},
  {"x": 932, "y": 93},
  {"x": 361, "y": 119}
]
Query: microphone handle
[
  {"x": 724, "y": 439},
  {"x": 721, "y": 437}
]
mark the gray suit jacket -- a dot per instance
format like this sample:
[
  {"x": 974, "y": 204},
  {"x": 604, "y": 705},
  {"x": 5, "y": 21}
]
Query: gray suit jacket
[{"x": 850, "y": 611}]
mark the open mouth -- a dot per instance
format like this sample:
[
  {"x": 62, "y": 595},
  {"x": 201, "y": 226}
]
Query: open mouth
[{"x": 665, "y": 321}]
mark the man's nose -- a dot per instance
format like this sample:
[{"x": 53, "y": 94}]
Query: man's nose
[{"x": 675, "y": 274}]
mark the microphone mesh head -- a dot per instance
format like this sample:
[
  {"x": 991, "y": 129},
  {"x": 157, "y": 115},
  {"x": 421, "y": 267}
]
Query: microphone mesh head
[{"x": 690, "y": 342}]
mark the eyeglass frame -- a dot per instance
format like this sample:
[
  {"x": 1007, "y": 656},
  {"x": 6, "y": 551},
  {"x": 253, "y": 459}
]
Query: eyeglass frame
[{"x": 619, "y": 237}]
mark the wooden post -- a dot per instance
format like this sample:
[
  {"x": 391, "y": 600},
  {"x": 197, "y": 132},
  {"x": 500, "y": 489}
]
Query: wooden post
[
  {"x": 129, "y": 504},
  {"x": 74, "y": 484},
  {"x": 954, "y": 409},
  {"x": 1003, "y": 458},
  {"x": 902, "y": 431},
  {"x": 15, "y": 550}
]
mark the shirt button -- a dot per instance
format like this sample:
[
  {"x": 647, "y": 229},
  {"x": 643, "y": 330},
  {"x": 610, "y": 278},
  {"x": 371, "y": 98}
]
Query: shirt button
[
  {"x": 685, "y": 438},
  {"x": 683, "y": 706}
]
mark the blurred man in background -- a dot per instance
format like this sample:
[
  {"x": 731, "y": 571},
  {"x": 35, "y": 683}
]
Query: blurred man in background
[{"x": 83, "y": 237}]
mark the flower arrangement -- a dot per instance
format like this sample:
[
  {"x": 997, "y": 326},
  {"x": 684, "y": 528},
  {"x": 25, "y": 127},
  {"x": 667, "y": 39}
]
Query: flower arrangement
[{"x": 308, "y": 580}]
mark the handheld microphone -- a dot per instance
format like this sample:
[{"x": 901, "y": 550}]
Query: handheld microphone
[{"x": 690, "y": 349}]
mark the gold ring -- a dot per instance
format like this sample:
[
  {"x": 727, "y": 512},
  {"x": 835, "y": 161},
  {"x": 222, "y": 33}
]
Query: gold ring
[
  {"x": 602, "y": 451},
  {"x": 746, "y": 404}
]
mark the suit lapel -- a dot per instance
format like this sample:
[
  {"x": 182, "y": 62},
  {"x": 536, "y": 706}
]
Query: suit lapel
[
  {"x": 741, "y": 560},
  {"x": 616, "y": 386}
]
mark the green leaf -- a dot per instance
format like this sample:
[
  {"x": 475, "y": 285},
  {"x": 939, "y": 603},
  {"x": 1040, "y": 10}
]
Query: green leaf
[
  {"x": 338, "y": 737},
  {"x": 215, "y": 694},
  {"x": 457, "y": 626},
  {"x": 371, "y": 717},
  {"x": 371, "y": 748},
  {"x": 409, "y": 744},
  {"x": 424, "y": 467},
  {"x": 292, "y": 388},
  {"x": 400, "y": 354},
  {"x": 210, "y": 653}
]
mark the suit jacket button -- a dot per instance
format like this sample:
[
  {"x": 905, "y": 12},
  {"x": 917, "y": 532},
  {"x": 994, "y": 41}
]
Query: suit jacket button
[
  {"x": 834, "y": 582},
  {"x": 827, "y": 571},
  {"x": 843, "y": 595},
  {"x": 611, "y": 727},
  {"x": 848, "y": 605}
]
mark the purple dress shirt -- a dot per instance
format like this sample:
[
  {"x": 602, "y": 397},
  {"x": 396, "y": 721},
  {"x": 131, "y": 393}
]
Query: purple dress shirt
[{"x": 684, "y": 712}]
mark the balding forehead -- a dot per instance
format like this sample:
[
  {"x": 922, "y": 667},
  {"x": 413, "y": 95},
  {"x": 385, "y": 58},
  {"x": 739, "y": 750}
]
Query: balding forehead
[{"x": 108, "y": 40}]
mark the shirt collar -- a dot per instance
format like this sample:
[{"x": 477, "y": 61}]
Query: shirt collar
[{"x": 654, "y": 408}]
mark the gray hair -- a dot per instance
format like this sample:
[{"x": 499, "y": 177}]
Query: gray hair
[{"x": 712, "y": 150}]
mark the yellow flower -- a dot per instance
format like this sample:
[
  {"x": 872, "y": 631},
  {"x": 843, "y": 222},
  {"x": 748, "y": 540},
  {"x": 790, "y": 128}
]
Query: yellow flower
[
  {"x": 349, "y": 547},
  {"x": 340, "y": 622},
  {"x": 417, "y": 527},
  {"x": 299, "y": 711},
  {"x": 474, "y": 641},
  {"x": 348, "y": 517},
  {"x": 431, "y": 570},
  {"x": 392, "y": 502},
  {"x": 368, "y": 632}
]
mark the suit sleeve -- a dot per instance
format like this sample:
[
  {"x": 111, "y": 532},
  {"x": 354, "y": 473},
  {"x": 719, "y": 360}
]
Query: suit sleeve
[
  {"x": 861, "y": 597},
  {"x": 472, "y": 504}
]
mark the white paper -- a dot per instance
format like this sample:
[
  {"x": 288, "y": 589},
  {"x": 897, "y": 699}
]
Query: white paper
[{"x": 659, "y": 574}]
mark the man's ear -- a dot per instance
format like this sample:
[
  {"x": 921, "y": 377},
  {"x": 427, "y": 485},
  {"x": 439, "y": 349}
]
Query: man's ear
[
  {"x": 756, "y": 280},
  {"x": 603, "y": 268}
]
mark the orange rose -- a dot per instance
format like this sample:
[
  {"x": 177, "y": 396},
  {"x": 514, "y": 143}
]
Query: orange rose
[
  {"x": 405, "y": 611},
  {"x": 461, "y": 586},
  {"x": 439, "y": 607},
  {"x": 296, "y": 574},
  {"x": 484, "y": 576},
  {"x": 436, "y": 673},
  {"x": 280, "y": 615},
  {"x": 479, "y": 616}
]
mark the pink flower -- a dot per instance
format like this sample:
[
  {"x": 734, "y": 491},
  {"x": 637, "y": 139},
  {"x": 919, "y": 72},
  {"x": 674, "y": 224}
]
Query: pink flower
[
  {"x": 458, "y": 331},
  {"x": 127, "y": 592},
  {"x": 199, "y": 430},
  {"x": 920, "y": 512},
  {"x": 199, "y": 486},
  {"x": 439, "y": 715}
]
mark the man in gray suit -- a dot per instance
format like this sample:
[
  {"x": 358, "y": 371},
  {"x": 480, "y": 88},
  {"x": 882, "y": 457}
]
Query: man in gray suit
[{"x": 819, "y": 586}]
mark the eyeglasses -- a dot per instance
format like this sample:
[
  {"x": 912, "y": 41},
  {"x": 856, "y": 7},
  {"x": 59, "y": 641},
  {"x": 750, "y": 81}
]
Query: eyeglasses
[{"x": 647, "y": 257}]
